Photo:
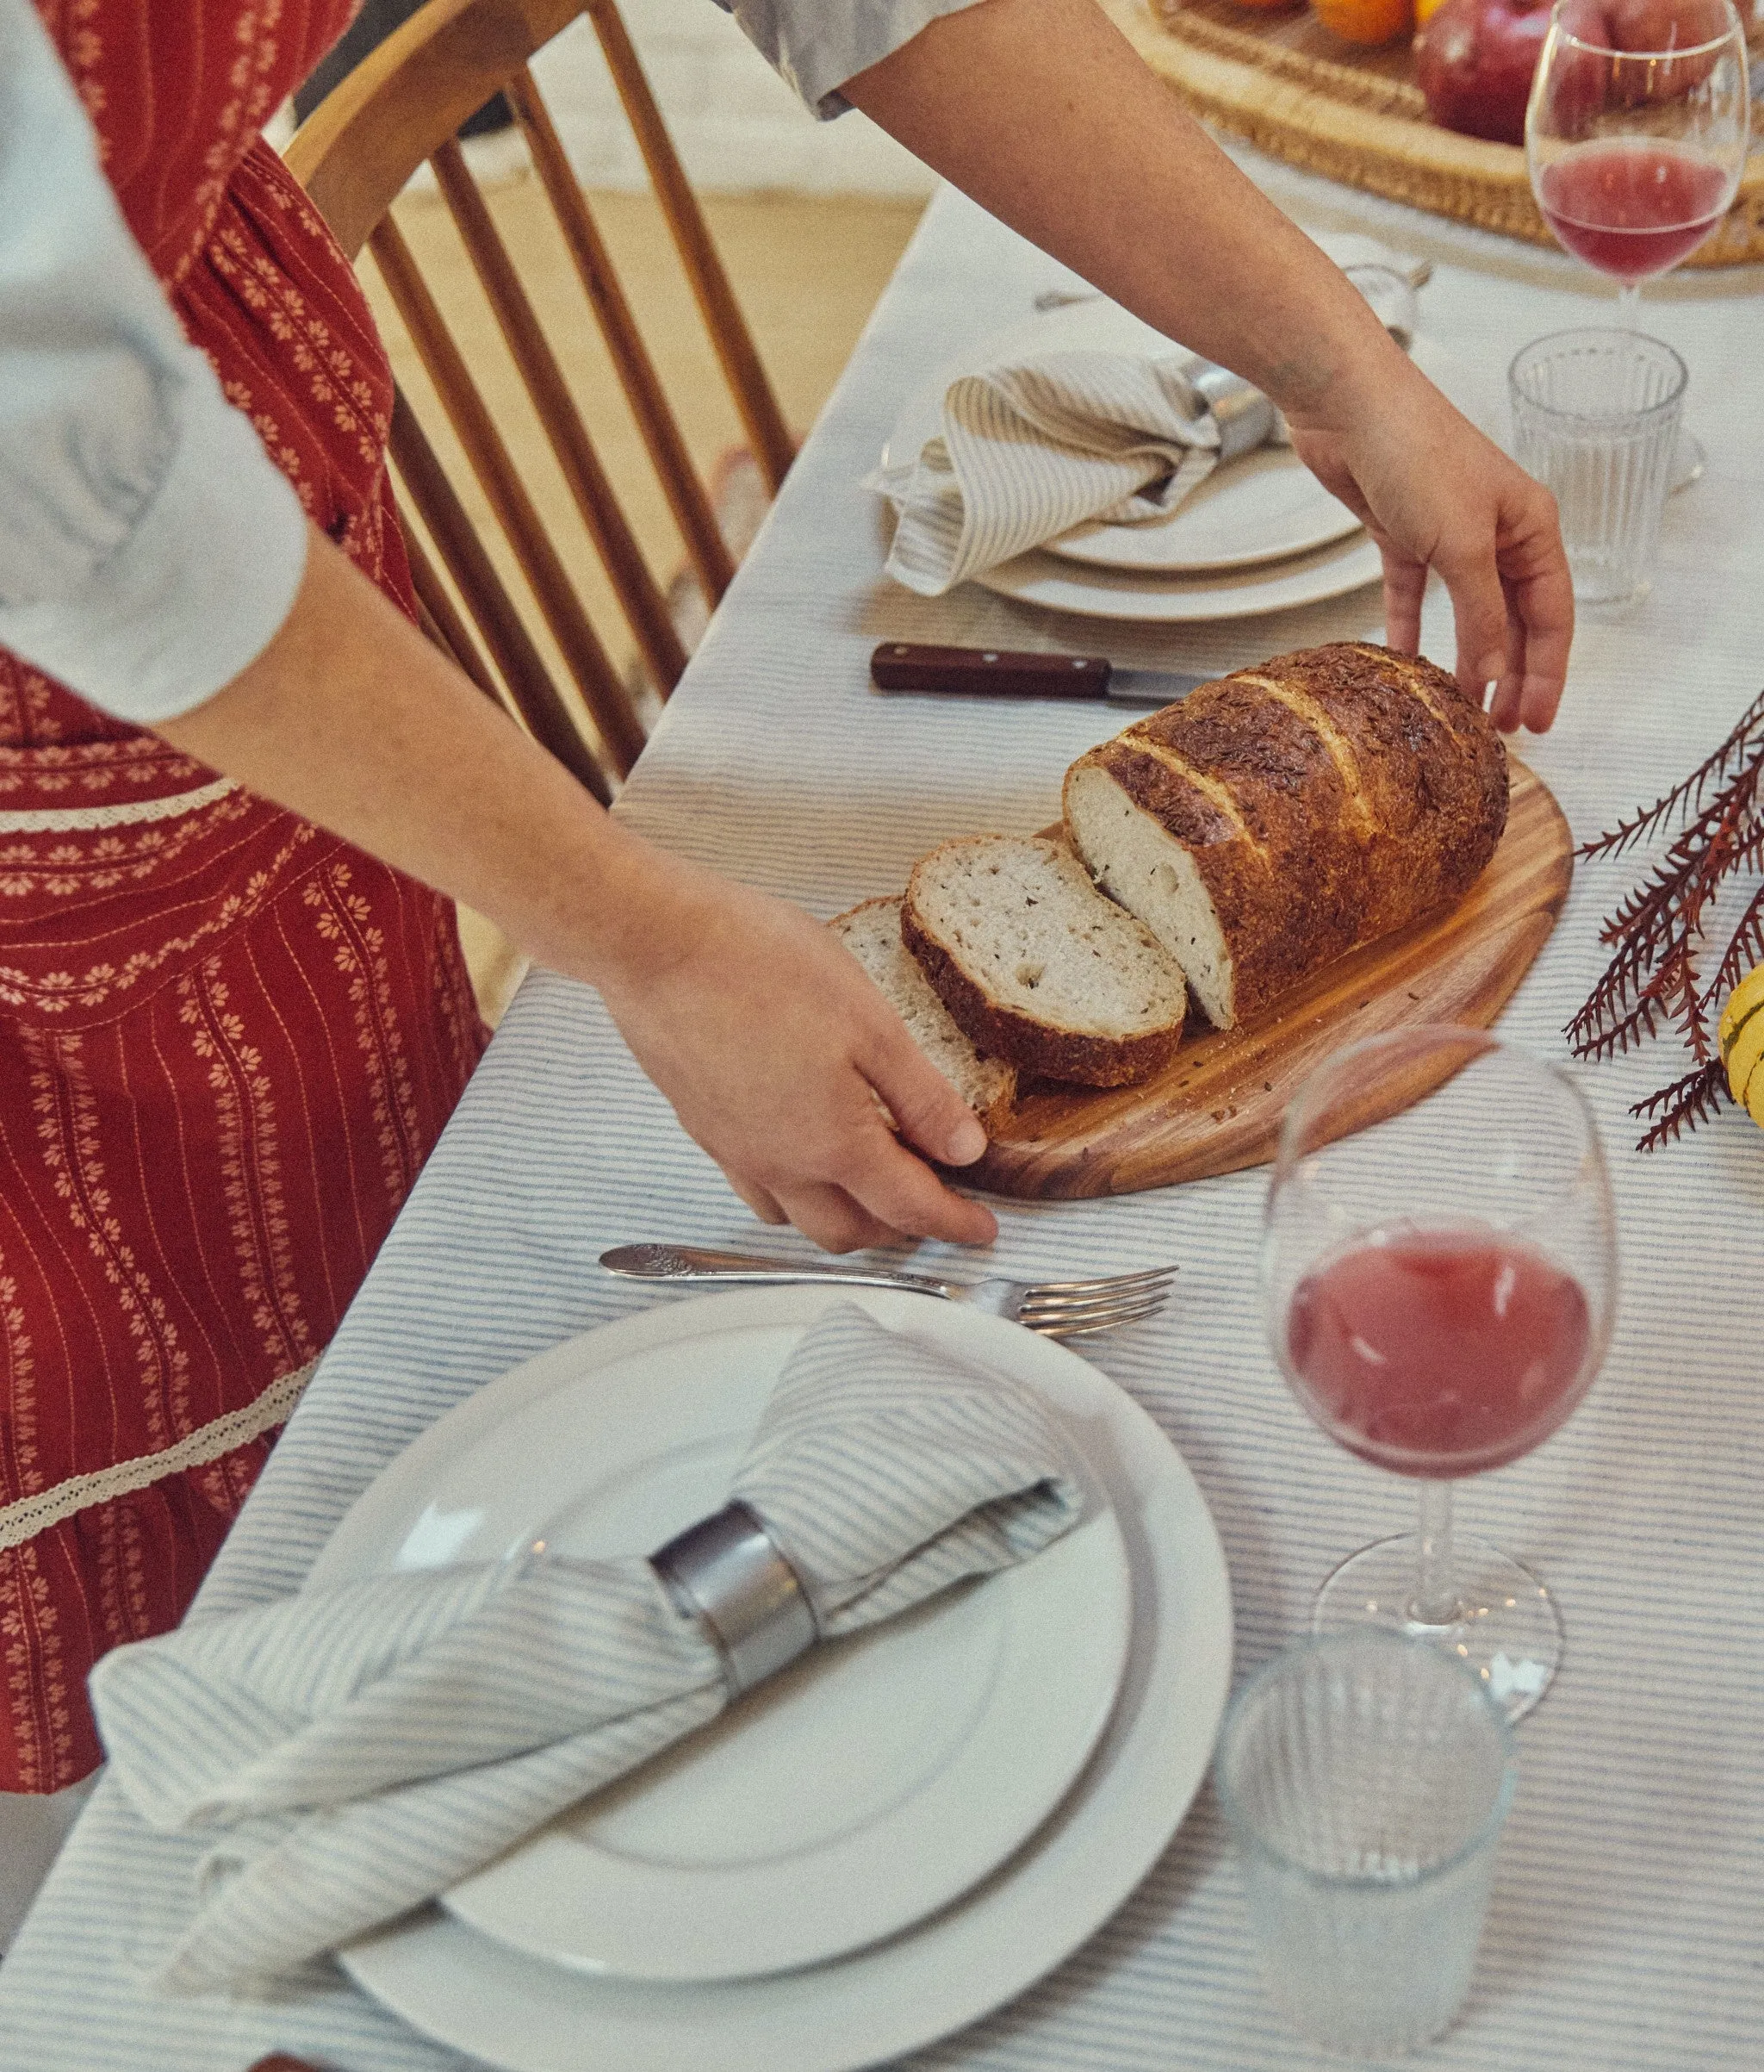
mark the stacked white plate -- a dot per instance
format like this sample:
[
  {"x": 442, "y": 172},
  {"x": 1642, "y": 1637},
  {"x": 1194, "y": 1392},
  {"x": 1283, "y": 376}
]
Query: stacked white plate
[
  {"x": 902, "y": 1831},
  {"x": 1261, "y": 534}
]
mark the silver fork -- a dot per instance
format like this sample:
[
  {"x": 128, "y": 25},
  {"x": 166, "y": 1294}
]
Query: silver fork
[{"x": 1058, "y": 1308}]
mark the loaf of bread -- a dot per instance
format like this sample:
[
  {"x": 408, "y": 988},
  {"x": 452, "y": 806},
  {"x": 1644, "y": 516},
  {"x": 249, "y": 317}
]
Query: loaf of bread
[
  {"x": 1036, "y": 966},
  {"x": 1277, "y": 818},
  {"x": 872, "y": 933}
]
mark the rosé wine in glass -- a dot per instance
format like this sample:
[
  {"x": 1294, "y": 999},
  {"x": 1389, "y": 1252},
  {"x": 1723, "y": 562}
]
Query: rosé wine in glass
[
  {"x": 1632, "y": 207},
  {"x": 1637, "y": 133},
  {"x": 1440, "y": 1352},
  {"x": 1439, "y": 1283}
]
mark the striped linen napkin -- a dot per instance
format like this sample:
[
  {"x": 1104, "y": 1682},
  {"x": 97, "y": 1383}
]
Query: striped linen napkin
[
  {"x": 1028, "y": 450},
  {"x": 356, "y": 1750},
  {"x": 1027, "y": 453}
]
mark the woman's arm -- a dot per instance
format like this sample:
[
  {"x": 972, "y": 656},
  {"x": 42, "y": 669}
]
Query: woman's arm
[
  {"x": 759, "y": 1028},
  {"x": 153, "y": 557},
  {"x": 1044, "y": 114}
]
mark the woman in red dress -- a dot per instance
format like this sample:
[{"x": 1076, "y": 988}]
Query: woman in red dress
[{"x": 227, "y": 1039}]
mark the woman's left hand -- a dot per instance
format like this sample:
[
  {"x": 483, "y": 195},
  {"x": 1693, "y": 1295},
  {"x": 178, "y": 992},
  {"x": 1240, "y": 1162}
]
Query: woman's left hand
[{"x": 1435, "y": 492}]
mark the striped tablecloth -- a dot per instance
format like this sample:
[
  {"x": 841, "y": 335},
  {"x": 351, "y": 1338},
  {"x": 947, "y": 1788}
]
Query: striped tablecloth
[{"x": 1626, "y": 1922}]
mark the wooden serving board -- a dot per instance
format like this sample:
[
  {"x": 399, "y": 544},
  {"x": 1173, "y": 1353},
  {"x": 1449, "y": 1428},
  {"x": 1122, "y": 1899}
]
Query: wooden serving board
[
  {"x": 1217, "y": 1106},
  {"x": 1283, "y": 82}
]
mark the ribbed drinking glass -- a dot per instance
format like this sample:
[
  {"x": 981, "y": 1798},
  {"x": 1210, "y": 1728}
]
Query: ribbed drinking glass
[
  {"x": 1595, "y": 417},
  {"x": 1365, "y": 1778}
]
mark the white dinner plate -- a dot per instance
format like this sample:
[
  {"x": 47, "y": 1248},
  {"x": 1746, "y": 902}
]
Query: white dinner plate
[
  {"x": 876, "y": 1782},
  {"x": 1266, "y": 506},
  {"x": 1173, "y": 572},
  {"x": 526, "y": 2014},
  {"x": 1263, "y": 507},
  {"x": 1039, "y": 577}
]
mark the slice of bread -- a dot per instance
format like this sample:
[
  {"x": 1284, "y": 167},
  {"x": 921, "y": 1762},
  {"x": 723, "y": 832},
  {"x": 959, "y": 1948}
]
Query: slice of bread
[
  {"x": 1173, "y": 853},
  {"x": 872, "y": 933},
  {"x": 1037, "y": 965}
]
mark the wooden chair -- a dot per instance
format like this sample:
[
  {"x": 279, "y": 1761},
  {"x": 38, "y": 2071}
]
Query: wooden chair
[{"x": 354, "y": 155}]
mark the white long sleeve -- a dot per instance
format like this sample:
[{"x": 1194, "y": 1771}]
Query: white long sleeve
[
  {"x": 817, "y": 45},
  {"x": 149, "y": 548}
]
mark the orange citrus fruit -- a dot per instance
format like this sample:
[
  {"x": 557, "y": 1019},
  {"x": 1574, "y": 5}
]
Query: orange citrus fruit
[
  {"x": 1366, "y": 20},
  {"x": 1425, "y": 11}
]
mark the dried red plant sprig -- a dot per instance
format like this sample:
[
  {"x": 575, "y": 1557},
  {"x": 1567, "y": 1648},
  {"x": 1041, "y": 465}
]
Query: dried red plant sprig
[
  {"x": 1658, "y": 930},
  {"x": 1682, "y": 1105},
  {"x": 1745, "y": 949},
  {"x": 1627, "y": 832}
]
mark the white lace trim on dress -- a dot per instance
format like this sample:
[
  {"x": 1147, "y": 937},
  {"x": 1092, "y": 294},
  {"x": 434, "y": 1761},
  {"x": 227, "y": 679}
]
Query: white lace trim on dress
[
  {"x": 36, "y": 1513},
  {"x": 128, "y": 813}
]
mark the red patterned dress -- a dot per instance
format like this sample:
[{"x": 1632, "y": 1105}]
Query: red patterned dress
[{"x": 227, "y": 1039}]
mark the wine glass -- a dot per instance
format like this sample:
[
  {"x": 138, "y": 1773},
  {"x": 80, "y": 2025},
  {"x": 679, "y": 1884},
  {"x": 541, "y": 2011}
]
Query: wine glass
[
  {"x": 1636, "y": 155},
  {"x": 1439, "y": 1283}
]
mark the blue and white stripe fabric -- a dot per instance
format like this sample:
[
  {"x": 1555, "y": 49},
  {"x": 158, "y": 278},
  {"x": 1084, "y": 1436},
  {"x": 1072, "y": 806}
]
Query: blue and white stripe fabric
[
  {"x": 353, "y": 1751},
  {"x": 885, "y": 1472},
  {"x": 1027, "y": 452},
  {"x": 1031, "y": 448},
  {"x": 1624, "y": 1928}
]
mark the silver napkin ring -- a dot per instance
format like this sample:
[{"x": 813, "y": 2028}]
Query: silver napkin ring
[
  {"x": 1244, "y": 415},
  {"x": 728, "y": 1573}
]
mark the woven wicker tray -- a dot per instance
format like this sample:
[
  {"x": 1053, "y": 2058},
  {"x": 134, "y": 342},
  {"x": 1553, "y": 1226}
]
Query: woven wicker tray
[{"x": 1284, "y": 83}]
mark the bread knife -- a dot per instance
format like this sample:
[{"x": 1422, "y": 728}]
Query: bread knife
[{"x": 995, "y": 673}]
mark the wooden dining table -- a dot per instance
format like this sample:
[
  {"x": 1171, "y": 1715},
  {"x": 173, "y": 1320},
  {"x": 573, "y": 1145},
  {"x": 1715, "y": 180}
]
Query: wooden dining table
[{"x": 1627, "y": 1923}]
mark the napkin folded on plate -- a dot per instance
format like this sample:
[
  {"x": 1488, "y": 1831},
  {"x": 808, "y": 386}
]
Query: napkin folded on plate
[
  {"x": 1028, "y": 450},
  {"x": 357, "y": 1749}
]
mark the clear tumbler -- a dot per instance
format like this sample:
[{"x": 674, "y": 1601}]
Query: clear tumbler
[
  {"x": 1595, "y": 417},
  {"x": 1365, "y": 1776}
]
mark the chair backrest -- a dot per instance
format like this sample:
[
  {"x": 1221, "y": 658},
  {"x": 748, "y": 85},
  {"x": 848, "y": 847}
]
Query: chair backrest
[{"x": 354, "y": 155}]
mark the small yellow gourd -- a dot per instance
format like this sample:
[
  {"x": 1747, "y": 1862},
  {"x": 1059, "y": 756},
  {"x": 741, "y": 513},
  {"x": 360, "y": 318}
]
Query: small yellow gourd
[{"x": 1742, "y": 1040}]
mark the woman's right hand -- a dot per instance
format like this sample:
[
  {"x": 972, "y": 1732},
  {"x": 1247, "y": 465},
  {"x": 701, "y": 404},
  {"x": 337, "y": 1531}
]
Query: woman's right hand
[
  {"x": 773, "y": 1047},
  {"x": 757, "y": 1022}
]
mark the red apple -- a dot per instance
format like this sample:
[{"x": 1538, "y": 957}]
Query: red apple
[
  {"x": 1647, "y": 24},
  {"x": 1651, "y": 25},
  {"x": 1473, "y": 62}
]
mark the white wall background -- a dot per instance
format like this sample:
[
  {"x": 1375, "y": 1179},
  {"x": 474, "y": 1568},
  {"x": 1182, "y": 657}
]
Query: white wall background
[{"x": 736, "y": 124}]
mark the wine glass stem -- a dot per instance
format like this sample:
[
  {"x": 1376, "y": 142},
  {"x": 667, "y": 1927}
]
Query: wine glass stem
[
  {"x": 1436, "y": 1599},
  {"x": 1629, "y": 300}
]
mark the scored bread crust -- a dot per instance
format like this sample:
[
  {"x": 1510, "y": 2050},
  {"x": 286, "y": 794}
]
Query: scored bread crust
[
  {"x": 1429, "y": 763},
  {"x": 1299, "y": 819},
  {"x": 1320, "y": 801},
  {"x": 1033, "y": 1043},
  {"x": 1264, "y": 931}
]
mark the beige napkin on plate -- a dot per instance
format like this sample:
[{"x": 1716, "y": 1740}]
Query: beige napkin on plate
[
  {"x": 356, "y": 1750},
  {"x": 1028, "y": 450}
]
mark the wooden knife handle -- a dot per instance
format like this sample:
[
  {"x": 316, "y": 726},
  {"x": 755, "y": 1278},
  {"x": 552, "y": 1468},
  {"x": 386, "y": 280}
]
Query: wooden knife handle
[{"x": 900, "y": 666}]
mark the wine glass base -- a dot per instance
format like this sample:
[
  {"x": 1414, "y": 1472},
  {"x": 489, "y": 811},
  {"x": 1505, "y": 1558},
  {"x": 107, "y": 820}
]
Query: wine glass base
[{"x": 1505, "y": 1625}]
